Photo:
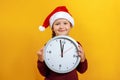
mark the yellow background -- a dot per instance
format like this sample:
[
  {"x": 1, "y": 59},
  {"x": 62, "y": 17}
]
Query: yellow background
[{"x": 97, "y": 27}]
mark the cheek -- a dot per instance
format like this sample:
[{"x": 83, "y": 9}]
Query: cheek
[
  {"x": 68, "y": 28},
  {"x": 54, "y": 30}
]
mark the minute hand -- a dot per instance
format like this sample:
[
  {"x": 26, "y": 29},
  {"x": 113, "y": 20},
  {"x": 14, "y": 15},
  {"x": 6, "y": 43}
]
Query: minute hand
[{"x": 61, "y": 48}]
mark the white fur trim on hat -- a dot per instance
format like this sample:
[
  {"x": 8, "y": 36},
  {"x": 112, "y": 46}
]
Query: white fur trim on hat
[
  {"x": 61, "y": 14},
  {"x": 41, "y": 28}
]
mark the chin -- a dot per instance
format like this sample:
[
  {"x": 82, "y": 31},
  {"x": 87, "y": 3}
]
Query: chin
[{"x": 63, "y": 34}]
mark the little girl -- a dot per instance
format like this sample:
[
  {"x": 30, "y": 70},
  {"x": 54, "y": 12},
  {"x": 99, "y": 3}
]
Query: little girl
[{"x": 61, "y": 23}]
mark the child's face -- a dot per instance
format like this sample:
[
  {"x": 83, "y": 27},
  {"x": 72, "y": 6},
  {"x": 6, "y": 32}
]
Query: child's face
[{"x": 61, "y": 27}]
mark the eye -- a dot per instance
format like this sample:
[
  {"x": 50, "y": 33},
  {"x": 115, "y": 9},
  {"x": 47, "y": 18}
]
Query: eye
[
  {"x": 65, "y": 23},
  {"x": 57, "y": 23}
]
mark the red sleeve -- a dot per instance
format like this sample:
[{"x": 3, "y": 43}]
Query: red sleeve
[
  {"x": 82, "y": 67},
  {"x": 43, "y": 69}
]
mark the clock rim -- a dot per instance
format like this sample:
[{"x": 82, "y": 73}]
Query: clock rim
[{"x": 76, "y": 45}]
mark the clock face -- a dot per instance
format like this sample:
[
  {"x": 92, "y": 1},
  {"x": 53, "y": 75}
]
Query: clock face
[{"x": 61, "y": 54}]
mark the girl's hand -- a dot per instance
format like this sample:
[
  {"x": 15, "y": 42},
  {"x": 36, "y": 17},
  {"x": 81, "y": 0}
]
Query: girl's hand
[
  {"x": 40, "y": 54},
  {"x": 81, "y": 53}
]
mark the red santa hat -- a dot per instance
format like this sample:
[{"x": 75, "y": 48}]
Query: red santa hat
[{"x": 59, "y": 12}]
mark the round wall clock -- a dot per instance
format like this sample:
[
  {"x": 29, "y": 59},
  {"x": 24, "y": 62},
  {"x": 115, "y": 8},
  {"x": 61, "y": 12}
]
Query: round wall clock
[{"x": 61, "y": 54}]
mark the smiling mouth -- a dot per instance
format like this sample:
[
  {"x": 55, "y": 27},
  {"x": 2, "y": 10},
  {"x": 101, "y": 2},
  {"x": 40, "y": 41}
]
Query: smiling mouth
[{"x": 61, "y": 30}]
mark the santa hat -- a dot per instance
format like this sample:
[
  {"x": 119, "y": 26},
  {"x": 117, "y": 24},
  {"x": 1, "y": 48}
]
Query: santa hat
[{"x": 59, "y": 12}]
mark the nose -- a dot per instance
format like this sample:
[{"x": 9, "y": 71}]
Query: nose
[{"x": 61, "y": 26}]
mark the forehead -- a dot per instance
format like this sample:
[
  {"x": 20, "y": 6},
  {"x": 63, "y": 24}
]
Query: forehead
[{"x": 61, "y": 19}]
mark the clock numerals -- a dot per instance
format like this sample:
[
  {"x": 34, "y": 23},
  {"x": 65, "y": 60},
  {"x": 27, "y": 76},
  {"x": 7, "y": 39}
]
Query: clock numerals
[
  {"x": 50, "y": 45},
  {"x": 67, "y": 68},
  {"x": 49, "y": 52},
  {"x": 74, "y": 56},
  {"x": 52, "y": 65},
  {"x": 48, "y": 59},
  {"x": 63, "y": 41},
  {"x": 60, "y": 66}
]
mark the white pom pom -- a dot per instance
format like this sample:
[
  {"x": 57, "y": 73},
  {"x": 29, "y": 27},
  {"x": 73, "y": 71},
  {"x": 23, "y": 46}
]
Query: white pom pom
[{"x": 41, "y": 28}]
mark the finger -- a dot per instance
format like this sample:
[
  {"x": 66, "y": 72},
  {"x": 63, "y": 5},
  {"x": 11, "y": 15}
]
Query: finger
[
  {"x": 39, "y": 53},
  {"x": 80, "y": 47},
  {"x": 79, "y": 51},
  {"x": 79, "y": 54},
  {"x": 40, "y": 50}
]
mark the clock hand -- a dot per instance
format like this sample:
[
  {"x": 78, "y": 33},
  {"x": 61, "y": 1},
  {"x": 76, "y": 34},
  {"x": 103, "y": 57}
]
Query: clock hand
[
  {"x": 67, "y": 50},
  {"x": 61, "y": 48}
]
